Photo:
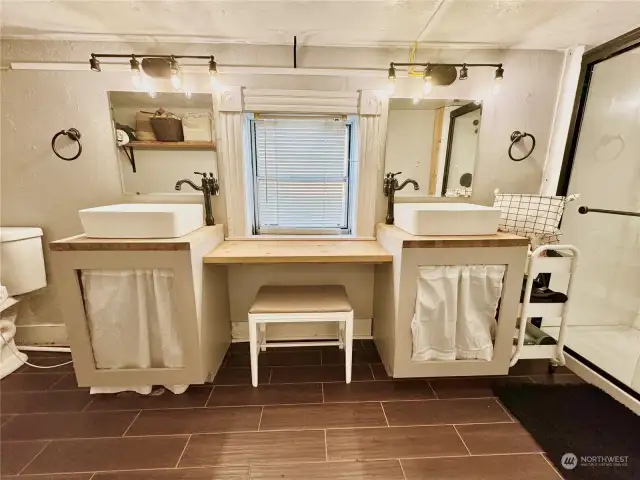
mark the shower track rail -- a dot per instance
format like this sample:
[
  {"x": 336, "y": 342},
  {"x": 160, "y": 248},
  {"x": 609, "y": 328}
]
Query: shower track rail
[{"x": 585, "y": 210}]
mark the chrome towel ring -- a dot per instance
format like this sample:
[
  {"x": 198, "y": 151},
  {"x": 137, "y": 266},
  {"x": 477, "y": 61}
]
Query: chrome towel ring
[
  {"x": 516, "y": 136},
  {"x": 73, "y": 134}
]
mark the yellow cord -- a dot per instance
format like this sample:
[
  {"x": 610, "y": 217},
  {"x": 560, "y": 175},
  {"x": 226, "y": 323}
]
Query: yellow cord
[{"x": 412, "y": 57}]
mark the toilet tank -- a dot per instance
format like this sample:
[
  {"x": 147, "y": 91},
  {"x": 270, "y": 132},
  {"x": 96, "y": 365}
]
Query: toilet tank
[{"x": 21, "y": 259}]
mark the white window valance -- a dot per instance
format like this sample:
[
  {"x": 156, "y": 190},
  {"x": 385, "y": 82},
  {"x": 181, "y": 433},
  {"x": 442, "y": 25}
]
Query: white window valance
[{"x": 299, "y": 101}]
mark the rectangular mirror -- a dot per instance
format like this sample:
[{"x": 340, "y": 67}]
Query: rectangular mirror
[
  {"x": 435, "y": 143},
  {"x": 185, "y": 143}
]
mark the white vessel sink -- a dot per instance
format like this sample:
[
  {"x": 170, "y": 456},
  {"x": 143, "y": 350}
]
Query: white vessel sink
[
  {"x": 446, "y": 218},
  {"x": 141, "y": 220}
]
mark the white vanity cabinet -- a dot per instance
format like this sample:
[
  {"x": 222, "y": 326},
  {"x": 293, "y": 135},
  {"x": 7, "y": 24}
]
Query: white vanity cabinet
[
  {"x": 196, "y": 318},
  {"x": 396, "y": 289}
]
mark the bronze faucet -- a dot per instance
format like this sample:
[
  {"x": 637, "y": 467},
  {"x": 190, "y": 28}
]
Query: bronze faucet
[
  {"x": 390, "y": 187},
  {"x": 209, "y": 187}
]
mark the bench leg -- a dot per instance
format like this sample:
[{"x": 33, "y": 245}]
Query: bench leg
[
  {"x": 341, "y": 326},
  {"x": 348, "y": 346},
  {"x": 253, "y": 347},
  {"x": 263, "y": 337}
]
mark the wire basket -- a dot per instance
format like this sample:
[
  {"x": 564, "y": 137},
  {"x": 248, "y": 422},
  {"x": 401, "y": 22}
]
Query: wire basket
[{"x": 533, "y": 216}]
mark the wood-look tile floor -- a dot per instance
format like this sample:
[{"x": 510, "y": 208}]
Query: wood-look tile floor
[{"x": 302, "y": 422}]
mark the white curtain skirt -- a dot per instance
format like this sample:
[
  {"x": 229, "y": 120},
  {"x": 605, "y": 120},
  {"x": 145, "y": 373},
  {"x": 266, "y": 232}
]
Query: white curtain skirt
[
  {"x": 132, "y": 322},
  {"x": 455, "y": 311}
]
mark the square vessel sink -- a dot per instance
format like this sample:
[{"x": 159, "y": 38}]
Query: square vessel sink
[
  {"x": 446, "y": 218},
  {"x": 141, "y": 220}
]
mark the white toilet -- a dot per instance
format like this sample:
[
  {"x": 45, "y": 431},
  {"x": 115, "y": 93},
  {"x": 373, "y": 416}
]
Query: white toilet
[{"x": 21, "y": 271}]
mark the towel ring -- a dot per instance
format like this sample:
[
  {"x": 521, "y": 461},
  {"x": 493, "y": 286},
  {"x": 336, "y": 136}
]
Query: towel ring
[
  {"x": 516, "y": 136},
  {"x": 73, "y": 134}
]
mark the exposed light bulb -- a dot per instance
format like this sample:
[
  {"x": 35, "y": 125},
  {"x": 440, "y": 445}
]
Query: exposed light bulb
[
  {"x": 391, "y": 83},
  {"x": 464, "y": 72},
  {"x": 391, "y": 86},
  {"x": 497, "y": 86},
  {"x": 428, "y": 86},
  {"x": 151, "y": 87},
  {"x": 213, "y": 80},
  {"x": 497, "y": 80},
  {"x": 136, "y": 79},
  {"x": 213, "y": 74},
  {"x": 176, "y": 81}
]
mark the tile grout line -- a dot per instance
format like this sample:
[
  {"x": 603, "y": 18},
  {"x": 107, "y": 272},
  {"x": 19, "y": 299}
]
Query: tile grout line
[
  {"x": 272, "y": 430},
  {"x": 461, "y": 439},
  {"x": 86, "y": 407},
  {"x": 504, "y": 409},
  {"x": 186, "y": 444},
  {"x": 36, "y": 456},
  {"x": 55, "y": 383},
  {"x": 270, "y": 375},
  {"x": 404, "y": 475},
  {"x": 373, "y": 375},
  {"x": 260, "y": 421},
  {"x": 206, "y": 404},
  {"x": 326, "y": 446},
  {"x": 551, "y": 465},
  {"x": 385, "y": 414},
  {"x": 132, "y": 422},
  {"x": 434, "y": 391},
  {"x": 92, "y": 475},
  {"x": 322, "y": 388}
]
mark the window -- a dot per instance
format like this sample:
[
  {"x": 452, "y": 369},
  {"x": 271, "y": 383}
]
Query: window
[{"x": 302, "y": 174}]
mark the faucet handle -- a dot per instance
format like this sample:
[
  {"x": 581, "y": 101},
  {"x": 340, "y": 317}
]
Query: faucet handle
[
  {"x": 392, "y": 175},
  {"x": 201, "y": 173}
]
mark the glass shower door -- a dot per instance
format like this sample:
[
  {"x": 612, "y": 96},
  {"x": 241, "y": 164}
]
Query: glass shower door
[{"x": 605, "y": 317}]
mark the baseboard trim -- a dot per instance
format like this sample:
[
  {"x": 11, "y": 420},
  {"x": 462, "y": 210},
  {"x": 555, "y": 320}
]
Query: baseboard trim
[
  {"x": 301, "y": 331},
  {"x": 42, "y": 335}
]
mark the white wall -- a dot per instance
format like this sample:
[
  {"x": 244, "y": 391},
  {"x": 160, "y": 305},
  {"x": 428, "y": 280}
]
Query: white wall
[
  {"x": 39, "y": 189},
  {"x": 409, "y": 141}
]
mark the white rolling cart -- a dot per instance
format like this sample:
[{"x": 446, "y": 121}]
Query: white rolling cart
[{"x": 538, "y": 263}]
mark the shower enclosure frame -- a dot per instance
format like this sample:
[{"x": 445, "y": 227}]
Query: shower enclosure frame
[
  {"x": 617, "y": 46},
  {"x": 610, "y": 49}
]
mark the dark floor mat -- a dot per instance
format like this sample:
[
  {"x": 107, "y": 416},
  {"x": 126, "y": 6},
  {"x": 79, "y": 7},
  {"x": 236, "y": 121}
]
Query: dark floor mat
[{"x": 580, "y": 420}]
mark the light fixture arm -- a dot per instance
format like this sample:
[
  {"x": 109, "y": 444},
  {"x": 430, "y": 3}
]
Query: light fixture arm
[{"x": 430, "y": 64}]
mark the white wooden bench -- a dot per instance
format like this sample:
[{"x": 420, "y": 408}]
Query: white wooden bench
[{"x": 300, "y": 303}]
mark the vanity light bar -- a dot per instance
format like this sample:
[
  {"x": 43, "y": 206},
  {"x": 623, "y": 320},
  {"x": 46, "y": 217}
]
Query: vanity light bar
[
  {"x": 428, "y": 67},
  {"x": 175, "y": 74}
]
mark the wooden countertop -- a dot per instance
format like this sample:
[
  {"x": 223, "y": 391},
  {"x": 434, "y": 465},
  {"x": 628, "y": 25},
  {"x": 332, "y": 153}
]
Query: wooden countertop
[
  {"x": 84, "y": 243},
  {"x": 298, "y": 251},
  {"x": 499, "y": 239}
]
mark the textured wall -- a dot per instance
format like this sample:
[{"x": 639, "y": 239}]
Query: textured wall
[{"x": 39, "y": 189}]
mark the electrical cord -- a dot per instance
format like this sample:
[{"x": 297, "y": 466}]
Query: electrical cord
[{"x": 28, "y": 363}]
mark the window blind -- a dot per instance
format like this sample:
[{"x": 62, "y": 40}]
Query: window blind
[{"x": 301, "y": 169}]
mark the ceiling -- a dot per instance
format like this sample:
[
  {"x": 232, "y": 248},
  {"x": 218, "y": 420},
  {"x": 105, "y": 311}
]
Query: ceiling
[{"x": 530, "y": 24}]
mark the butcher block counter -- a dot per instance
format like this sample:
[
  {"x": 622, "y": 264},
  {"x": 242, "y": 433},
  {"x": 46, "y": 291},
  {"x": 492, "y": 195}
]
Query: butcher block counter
[{"x": 298, "y": 251}]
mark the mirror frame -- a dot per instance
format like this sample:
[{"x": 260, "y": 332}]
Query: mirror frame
[{"x": 464, "y": 109}]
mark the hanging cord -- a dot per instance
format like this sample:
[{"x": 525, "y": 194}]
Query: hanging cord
[
  {"x": 414, "y": 47},
  {"x": 24, "y": 362}
]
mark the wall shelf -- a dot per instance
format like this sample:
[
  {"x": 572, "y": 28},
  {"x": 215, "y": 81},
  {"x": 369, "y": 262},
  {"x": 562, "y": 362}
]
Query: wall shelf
[{"x": 156, "y": 145}]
